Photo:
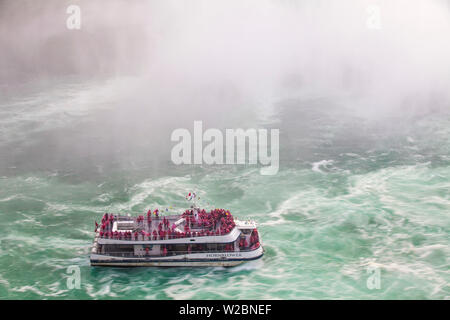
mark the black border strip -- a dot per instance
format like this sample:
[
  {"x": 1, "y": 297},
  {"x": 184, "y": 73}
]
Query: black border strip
[{"x": 170, "y": 309}]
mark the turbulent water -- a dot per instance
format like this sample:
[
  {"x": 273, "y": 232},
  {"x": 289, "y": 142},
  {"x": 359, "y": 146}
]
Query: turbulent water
[{"x": 354, "y": 193}]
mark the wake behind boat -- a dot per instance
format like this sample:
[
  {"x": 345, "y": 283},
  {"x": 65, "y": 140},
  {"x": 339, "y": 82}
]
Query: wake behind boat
[{"x": 194, "y": 238}]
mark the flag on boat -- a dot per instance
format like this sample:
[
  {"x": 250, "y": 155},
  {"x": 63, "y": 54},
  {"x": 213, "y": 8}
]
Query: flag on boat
[{"x": 191, "y": 196}]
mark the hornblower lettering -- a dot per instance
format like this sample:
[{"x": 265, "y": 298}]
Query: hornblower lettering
[
  {"x": 196, "y": 310},
  {"x": 211, "y": 255}
]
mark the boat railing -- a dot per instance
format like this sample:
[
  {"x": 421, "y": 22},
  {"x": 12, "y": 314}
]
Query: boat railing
[
  {"x": 158, "y": 238},
  {"x": 161, "y": 239},
  {"x": 145, "y": 219}
]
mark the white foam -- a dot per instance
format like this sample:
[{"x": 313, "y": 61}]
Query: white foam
[{"x": 321, "y": 164}]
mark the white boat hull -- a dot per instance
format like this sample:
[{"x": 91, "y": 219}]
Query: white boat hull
[{"x": 223, "y": 259}]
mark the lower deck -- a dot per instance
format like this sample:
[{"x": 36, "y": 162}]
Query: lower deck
[{"x": 181, "y": 259}]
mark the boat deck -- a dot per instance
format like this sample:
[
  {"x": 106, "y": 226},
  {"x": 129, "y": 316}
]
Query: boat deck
[{"x": 189, "y": 224}]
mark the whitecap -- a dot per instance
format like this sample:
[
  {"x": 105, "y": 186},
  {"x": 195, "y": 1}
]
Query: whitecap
[{"x": 321, "y": 164}]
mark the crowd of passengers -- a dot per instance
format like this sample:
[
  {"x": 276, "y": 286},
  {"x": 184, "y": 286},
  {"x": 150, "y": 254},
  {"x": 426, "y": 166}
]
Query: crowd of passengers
[
  {"x": 215, "y": 222},
  {"x": 254, "y": 241}
]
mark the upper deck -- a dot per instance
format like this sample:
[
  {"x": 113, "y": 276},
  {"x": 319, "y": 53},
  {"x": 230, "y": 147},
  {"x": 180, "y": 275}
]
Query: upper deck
[{"x": 195, "y": 225}]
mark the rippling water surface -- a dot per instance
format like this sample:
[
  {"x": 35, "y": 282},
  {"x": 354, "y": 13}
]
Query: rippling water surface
[{"x": 352, "y": 193}]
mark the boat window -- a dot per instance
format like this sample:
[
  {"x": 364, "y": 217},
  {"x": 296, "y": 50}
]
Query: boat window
[
  {"x": 180, "y": 247},
  {"x": 118, "y": 248}
]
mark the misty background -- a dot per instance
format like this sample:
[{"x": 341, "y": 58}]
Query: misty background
[{"x": 111, "y": 93}]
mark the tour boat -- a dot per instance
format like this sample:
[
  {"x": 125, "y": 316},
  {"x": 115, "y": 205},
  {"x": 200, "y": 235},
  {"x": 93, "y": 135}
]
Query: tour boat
[{"x": 194, "y": 238}]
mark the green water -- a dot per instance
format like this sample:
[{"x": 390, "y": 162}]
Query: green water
[{"x": 353, "y": 192}]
